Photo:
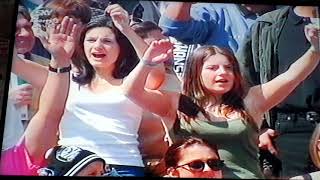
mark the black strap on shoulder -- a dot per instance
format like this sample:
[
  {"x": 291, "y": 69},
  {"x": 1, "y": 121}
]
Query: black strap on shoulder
[{"x": 187, "y": 106}]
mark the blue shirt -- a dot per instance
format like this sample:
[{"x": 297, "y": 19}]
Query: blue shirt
[{"x": 223, "y": 25}]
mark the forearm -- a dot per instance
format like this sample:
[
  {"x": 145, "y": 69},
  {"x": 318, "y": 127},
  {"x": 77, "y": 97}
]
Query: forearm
[
  {"x": 273, "y": 92},
  {"x": 303, "y": 67},
  {"x": 135, "y": 82},
  {"x": 156, "y": 76},
  {"x": 55, "y": 90},
  {"x": 137, "y": 42},
  {"x": 178, "y": 11},
  {"x": 41, "y": 132}
]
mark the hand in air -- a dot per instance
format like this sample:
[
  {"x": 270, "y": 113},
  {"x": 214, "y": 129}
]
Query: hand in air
[
  {"x": 158, "y": 51},
  {"x": 62, "y": 39},
  {"x": 120, "y": 17},
  {"x": 312, "y": 32}
]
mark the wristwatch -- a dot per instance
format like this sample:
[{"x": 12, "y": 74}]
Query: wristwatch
[{"x": 60, "y": 70}]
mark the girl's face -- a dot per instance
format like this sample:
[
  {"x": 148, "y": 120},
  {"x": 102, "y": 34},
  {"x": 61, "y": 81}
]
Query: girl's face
[
  {"x": 217, "y": 74},
  {"x": 101, "y": 47},
  {"x": 197, "y": 161}
]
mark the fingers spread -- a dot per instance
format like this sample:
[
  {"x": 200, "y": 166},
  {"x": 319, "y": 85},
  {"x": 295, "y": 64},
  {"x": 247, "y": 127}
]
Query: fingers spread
[
  {"x": 64, "y": 25},
  {"x": 69, "y": 26}
]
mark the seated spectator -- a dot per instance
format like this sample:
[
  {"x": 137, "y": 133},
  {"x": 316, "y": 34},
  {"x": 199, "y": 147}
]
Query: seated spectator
[
  {"x": 72, "y": 161},
  {"x": 193, "y": 158}
]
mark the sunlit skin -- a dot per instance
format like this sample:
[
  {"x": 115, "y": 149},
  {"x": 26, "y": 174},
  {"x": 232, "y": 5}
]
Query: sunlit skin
[
  {"x": 101, "y": 47},
  {"x": 95, "y": 168},
  {"x": 24, "y": 35},
  {"x": 217, "y": 74},
  {"x": 192, "y": 153},
  {"x": 157, "y": 76}
]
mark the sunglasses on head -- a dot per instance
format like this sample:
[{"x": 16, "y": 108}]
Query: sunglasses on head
[{"x": 198, "y": 165}]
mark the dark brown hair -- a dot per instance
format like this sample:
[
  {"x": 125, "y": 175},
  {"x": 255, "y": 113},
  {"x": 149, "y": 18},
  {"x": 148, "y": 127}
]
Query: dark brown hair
[
  {"x": 24, "y": 12},
  {"x": 125, "y": 63},
  {"x": 172, "y": 155},
  {"x": 145, "y": 27}
]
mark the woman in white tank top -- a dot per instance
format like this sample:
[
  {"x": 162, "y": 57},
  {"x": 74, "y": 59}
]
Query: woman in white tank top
[{"x": 98, "y": 116}]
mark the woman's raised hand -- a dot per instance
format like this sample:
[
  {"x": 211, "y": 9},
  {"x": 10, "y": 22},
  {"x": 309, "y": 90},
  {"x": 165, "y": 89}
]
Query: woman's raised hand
[
  {"x": 120, "y": 17},
  {"x": 312, "y": 32},
  {"x": 62, "y": 39},
  {"x": 158, "y": 52}
]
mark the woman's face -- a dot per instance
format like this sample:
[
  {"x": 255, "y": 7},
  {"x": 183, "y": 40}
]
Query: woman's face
[
  {"x": 101, "y": 47},
  {"x": 197, "y": 154},
  {"x": 217, "y": 74}
]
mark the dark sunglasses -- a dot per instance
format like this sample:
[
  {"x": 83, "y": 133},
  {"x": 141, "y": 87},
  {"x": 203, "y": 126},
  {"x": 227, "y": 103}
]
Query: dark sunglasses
[{"x": 198, "y": 165}]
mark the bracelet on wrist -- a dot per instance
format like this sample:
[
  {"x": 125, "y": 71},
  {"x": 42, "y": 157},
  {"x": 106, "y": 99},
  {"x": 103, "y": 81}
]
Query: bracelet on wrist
[
  {"x": 149, "y": 63},
  {"x": 60, "y": 70}
]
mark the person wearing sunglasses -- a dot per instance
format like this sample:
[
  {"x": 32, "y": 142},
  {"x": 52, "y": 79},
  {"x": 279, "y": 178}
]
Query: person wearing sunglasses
[{"x": 193, "y": 158}]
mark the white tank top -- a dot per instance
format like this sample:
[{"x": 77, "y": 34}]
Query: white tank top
[{"x": 105, "y": 123}]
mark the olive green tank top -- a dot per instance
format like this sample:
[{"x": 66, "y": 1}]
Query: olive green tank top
[{"x": 236, "y": 140}]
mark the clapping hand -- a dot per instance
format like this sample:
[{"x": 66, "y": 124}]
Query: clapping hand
[
  {"x": 312, "y": 32},
  {"x": 158, "y": 52},
  {"x": 120, "y": 17},
  {"x": 62, "y": 40}
]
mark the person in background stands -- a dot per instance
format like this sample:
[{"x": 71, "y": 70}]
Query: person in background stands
[
  {"x": 223, "y": 25},
  {"x": 23, "y": 99},
  {"x": 27, "y": 156},
  {"x": 273, "y": 44}
]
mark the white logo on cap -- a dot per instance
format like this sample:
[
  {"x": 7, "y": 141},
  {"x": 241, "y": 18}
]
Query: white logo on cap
[{"x": 67, "y": 154}]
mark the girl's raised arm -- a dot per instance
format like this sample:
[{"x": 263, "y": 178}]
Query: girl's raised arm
[{"x": 262, "y": 98}]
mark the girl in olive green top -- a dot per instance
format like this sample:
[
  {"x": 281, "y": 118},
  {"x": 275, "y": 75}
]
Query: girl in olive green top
[{"x": 214, "y": 104}]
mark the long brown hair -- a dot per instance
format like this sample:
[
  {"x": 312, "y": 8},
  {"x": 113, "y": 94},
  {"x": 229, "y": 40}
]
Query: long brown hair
[{"x": 193, "y": 87}]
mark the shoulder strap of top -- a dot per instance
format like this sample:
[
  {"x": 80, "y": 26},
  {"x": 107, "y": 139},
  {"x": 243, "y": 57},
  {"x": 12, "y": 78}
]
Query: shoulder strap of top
[{"x": 187, "y": 106}]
